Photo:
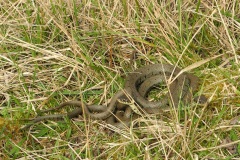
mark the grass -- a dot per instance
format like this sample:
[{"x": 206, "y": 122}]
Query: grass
[{"x": 55, "y": 51}]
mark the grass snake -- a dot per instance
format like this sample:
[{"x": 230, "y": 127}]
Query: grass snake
[{"x": 137, "y": 86}]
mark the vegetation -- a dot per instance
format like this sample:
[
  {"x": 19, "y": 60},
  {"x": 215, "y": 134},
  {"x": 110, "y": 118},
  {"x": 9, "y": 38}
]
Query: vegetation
[{"x": 60, "y": 50}]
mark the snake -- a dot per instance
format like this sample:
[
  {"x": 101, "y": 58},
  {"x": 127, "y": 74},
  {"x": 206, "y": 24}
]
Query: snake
[
  {"x": 103, "y": 112},
  {"x": 154, "y": 74},
  {"x": 138, "y": 84}
]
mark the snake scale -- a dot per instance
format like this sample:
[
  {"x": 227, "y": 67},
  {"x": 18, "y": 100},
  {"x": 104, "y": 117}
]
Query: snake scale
[{"x": 137, "y": 86}]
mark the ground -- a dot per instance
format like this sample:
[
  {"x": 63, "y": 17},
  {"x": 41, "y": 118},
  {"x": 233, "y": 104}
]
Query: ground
[{"x": 60, "y": 50}]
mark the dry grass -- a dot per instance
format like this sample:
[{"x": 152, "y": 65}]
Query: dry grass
[{"x": 59, "y": 50}]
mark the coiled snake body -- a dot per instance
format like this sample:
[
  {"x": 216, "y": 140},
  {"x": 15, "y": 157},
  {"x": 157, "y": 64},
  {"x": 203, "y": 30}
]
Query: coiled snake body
[{"x": 137, "y": 86}]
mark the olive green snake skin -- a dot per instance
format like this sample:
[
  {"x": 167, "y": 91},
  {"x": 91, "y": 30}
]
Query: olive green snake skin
[{"x": 137, "y": 86}]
